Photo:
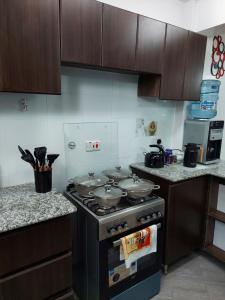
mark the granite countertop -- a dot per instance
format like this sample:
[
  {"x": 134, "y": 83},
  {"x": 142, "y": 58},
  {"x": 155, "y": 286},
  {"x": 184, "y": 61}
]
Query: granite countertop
[
  {"x": 21, "y": 206},
  {"x": 176, "y": 172}
]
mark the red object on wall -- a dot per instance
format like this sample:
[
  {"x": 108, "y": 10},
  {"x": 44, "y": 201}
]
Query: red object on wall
[{"x": 218, "y": 57}]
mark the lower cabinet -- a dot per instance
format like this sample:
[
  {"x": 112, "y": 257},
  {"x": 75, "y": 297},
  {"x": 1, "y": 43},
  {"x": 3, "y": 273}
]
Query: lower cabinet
[
  {"x": 36, "y": 261},
  {"x": 39, "y": 282},
  {"x": 185, "y": 214},
  {"x": 185, "y": 218}
]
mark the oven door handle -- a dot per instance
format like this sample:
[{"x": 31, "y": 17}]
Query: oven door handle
[{"x": 118, "y": 242}]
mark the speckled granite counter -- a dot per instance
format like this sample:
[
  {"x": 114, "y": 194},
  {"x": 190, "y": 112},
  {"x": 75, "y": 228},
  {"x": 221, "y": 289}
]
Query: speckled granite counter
[
  {"x": 175, "y": 173},
  {"x": 21, "y": 206}
]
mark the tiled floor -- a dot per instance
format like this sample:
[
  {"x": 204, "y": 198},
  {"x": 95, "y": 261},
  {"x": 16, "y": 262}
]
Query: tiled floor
[{"x": 198, "y": 277}]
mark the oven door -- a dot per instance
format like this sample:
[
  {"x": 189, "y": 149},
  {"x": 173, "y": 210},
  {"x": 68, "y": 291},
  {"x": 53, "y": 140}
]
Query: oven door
[{"x": 114, "y": 276}]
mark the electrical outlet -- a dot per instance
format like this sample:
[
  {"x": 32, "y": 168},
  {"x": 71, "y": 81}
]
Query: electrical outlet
[
  {"x": 23, "y": 105},
  {"x": 92, "y": 146}
]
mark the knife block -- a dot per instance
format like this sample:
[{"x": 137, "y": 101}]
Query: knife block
[{"x": 43, "y": 181}]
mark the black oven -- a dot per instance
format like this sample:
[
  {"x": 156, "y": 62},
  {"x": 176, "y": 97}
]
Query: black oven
[
  {"x": 98, "y": 272},
  {"x": 114, "y": 276}
]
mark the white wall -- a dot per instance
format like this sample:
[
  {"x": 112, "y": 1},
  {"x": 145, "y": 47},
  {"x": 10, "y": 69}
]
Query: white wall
[
  {"x": 87, "y": 96},
  {"x": 196, "y": 15},
  {"x": 207, "y": 75},
  {"x": 208, "y": 13},
  {"x": 219, "y": 227},
  {"x": 176, "y": 12}
]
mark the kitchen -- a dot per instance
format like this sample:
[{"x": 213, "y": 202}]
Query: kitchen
[{"x": 93, "y": 105}]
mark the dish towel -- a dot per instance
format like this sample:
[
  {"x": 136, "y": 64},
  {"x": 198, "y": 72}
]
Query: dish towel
[{"x": 138, "y": 244}]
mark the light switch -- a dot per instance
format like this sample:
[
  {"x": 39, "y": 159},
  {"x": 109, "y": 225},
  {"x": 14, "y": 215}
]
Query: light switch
[{"x": 92, "y": 146}]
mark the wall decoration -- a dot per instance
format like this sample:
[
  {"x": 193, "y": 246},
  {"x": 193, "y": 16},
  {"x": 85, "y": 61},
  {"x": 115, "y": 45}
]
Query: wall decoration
[
  {"x": 218, "y": 57},
  {"x": 145, "y": 128},
  {"x": 152, "y": 128}
]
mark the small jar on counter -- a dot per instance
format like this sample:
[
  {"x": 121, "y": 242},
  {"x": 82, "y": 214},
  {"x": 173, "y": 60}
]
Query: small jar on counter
[{"x": 168, "y": 156}]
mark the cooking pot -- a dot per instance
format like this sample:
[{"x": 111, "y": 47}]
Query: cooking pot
[
  {"x": 137, "y": 187},
  {"x": 117, "y": 174},
  {"x": 155, "y": 159},
  {"x": 108, "y": 195},
  {"x": 88, "y": 183}
]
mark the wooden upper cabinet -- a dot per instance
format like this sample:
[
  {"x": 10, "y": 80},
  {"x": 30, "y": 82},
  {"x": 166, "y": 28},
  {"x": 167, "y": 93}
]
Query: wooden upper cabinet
[
  {"x": 81, "y": 31},
  {"x": 195, "y": 57},
  {"x": 30, "y": 46},
  {"x": 150, "y": 45},
  {"x": 174, "y": 63},
  {"x": 119, "y": 38}
]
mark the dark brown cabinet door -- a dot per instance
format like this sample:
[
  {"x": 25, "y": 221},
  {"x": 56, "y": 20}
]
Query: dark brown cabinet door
[
  {"x": 30, "y": 46},
  {"x": 174, "y": 63},
  {"x": 39, "y": 282},
  {"x": 81, "y": 31},
  {"x": 119, "y": 38},
  {"x": 195, "y": 58},
  {"x": 19, "y": 249},
  {"x": 150, "y": 45},
  {"x": 185, "y": 218}
]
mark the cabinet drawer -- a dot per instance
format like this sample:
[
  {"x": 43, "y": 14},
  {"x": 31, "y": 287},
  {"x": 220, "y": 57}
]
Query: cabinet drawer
[
  {"x": 67, "y": 296},
  {"x": 38, "y": 282},
  {"x": 22, "y": 248}
]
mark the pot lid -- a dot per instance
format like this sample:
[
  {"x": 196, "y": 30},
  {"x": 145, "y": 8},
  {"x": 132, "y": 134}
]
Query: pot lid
[
  {"x": 117, "y": 172},
  {"x": 91, "y": 180},
  {"x": 136, "y": 184},
  {"x": 108, "y": 192}
]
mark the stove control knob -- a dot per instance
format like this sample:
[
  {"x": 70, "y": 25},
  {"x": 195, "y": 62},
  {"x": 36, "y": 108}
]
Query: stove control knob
[
  {"x": 112, "y": 230},
  {"x": 142, "y": 220},
  {"x": 159, "y": 214},
  {"x": 148, "y": 218},
  {"x": 154, "y": 215},
  {"x": 125, "y": 226},
  {"x": 119, "y": 228}
]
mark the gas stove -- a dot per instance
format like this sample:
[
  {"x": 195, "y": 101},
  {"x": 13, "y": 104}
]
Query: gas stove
[
  {"x": 98, "y": 271},
  {"x": 128, "y": 214}
]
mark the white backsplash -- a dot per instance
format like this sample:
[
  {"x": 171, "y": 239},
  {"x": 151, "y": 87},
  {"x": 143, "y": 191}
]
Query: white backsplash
[
  {"x": 78, "y": 161},
  {"x": 87, "y": 96}
]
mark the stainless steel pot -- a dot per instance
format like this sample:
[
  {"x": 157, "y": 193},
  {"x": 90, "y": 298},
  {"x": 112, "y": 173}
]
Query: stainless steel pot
[
  {"x": 137, "y": 187},
  {"x": 117, "y": 173},
  {"x": 90, "y": 182},
  {"x": 108, "y": 195}
]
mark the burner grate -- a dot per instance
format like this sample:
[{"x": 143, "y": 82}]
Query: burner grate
[{"x": 99, "y": 210}]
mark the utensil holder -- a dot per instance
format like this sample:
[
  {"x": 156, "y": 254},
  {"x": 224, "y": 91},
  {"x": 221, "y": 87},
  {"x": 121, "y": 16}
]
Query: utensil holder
[{"x": 43, "y": 181}]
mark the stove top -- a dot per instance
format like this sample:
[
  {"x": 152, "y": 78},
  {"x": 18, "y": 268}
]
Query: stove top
[
  {"x": 99, "y": 210},
  {"x": 128, "y": 214}
]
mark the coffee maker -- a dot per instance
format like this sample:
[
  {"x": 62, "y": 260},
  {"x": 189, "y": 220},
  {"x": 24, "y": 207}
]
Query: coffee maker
[{"x": 208, "y": 135}]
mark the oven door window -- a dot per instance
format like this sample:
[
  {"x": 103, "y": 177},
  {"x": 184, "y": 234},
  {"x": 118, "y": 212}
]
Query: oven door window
[{"x": 143, "y": 267}]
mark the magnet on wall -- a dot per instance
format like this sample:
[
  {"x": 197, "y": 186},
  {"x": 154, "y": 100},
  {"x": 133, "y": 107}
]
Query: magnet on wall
[
  {"x": 218, "y": 57},
  {"x": 152, "y": 128},
  {"x": 140, "y": 127}
]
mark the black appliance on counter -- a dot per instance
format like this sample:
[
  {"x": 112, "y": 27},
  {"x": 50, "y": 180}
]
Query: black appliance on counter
[
  {"x": 208, "y": 134},
  {"x": 98, "y": 272},
  {"x": 191, "y": 155},
  {"x": 155, "y": 159}
]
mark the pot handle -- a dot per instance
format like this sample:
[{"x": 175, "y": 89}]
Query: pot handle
[
  {"x": 110, "y": 181},
  {"x": 156, "y": 187},
  {"x": 90, "y": 194},
  {"x": 124, "y": 194},
  {"x": 115, "y": 183},
  {"x": 144, "y": 153}
]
